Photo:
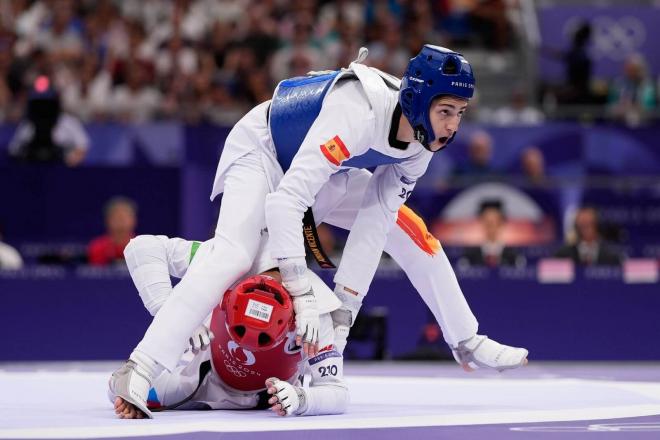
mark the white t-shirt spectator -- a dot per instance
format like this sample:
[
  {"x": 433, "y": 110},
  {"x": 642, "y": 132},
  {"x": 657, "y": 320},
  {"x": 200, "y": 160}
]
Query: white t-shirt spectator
[
  {"x": 135, "y": 106},
  {"x": 511, "y": 116},
  {"x": 9, "y": 257},
  {"x": 185, "y": 61},
  {"x": 91, "y": 102}
]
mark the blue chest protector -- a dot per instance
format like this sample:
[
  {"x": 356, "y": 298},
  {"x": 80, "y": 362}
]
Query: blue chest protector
[{"x": 295, "y": 106}]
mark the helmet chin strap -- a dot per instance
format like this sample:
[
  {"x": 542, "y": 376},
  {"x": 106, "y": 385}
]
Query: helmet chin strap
[{"x": 420, "y": 136}]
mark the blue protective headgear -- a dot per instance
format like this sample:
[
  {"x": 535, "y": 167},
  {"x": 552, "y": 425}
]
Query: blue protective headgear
[{"x": 426, "y": 78}]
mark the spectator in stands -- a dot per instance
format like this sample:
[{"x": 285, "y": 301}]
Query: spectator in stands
[
  {"x": 490, "y": 22},
  {"x": 7, "y": 39},
  {"x": 532, "y": 164},
  {"x": 589, "y": 249},
  {"x": 578, "y": 68},
  {"x": 480, "y": 154},
  {"x": 300, "y": 55},
  {"x": 138, "y": 100},
  {"x": 454, "y": 18},
  {"x": 632, "y": 96},
  {"x": 61, "y": 35},
  {"x": 517, "y": 112},
  {"x": 387, "y": 53},
  {"x": 87, "y": 97},
  {"x": 493, "y": 252},
  {"x": 47, "y": 134},
  {"x": 120, "y": 222},
  {"x": 10, "y": 259}
]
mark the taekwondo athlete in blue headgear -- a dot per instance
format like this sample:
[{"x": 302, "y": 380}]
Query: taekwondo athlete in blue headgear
[
  {"x": 435, "y": 72},
  {"x": 347, "y": 146}
]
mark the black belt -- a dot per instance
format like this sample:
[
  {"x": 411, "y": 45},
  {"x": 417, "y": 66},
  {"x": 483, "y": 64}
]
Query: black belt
[{"x": 313, "y": 243}]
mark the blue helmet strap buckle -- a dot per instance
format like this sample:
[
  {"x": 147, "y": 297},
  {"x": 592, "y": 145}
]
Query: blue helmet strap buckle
[{"x": 420, "y": 135}]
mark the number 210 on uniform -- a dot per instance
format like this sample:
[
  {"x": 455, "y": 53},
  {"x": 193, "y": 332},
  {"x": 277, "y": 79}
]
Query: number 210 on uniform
[{"x": 331, "y": 370}]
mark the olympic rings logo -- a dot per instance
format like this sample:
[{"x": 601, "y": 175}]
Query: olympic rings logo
[
  {"x": 233, "y": 370},
  {"x": 612, "y": 37}
]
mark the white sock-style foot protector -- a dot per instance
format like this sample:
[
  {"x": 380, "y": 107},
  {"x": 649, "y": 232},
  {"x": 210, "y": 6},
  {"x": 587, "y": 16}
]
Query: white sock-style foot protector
[
  {"x": 479, "y": 351},
  {"x": 131, "y": 382}
]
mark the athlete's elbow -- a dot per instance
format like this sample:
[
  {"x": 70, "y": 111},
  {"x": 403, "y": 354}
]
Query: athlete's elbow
[
  {"x": 139, "y": 244},
  {"x": 280, "y": 203}
]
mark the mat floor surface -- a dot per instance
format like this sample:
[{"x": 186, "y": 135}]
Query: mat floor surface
[{"x": 388, "y": 400}]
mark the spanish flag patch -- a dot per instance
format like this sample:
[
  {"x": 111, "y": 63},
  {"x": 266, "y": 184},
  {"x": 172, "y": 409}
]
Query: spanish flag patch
[
  {"x": 335, "y": 151},
  {"x": 414, "y": 226}
]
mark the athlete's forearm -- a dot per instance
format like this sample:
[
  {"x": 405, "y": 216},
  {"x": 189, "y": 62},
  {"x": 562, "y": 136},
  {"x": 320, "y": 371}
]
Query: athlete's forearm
[
  {"x": 326, "y": 399},
  {"x": 386, "y": 192}
]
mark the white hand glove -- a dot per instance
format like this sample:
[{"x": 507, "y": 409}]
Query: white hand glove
[
  {"x": 297, "y": 283},
  {"x": 341, "y": 336},
  {"x": 307, "y": 317},
  {"x": 287, "y": 399},
  {"x": 341, "y": 321},
  {"x": 201, "y": 339},
  {"x": 344, "y": 317}
]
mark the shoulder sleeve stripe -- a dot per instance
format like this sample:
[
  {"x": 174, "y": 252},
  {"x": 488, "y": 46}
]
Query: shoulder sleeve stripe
[{"x": 193, "y": 250}]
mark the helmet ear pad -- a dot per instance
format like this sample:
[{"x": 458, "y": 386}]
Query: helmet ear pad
[
  {"x": 259, "y": 313},
  {"x": 410, "y": 99}
]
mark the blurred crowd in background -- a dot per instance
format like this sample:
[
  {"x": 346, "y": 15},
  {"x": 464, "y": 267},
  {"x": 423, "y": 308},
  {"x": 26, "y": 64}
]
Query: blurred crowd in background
[
  {"x": 194, "y": 60},
  {"x": 135, "y": 61}
]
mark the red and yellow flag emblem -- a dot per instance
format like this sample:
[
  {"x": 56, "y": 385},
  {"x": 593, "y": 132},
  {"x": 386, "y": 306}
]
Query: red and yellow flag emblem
[
  {"x": 414, "y": 226},
  {"x": 335, "y": 151}
]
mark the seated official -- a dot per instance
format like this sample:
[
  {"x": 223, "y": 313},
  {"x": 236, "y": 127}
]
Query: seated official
[
  {"x": 589, "y": 248},
  {"x": 493, "y": 252}
]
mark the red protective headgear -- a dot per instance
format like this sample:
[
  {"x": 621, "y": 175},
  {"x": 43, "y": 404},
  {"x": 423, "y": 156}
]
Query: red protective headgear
[{"x": 259, "y": 313}]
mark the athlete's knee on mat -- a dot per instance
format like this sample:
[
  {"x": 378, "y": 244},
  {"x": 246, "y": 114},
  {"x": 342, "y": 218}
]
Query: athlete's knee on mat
[{"x": 141, "y": 244}]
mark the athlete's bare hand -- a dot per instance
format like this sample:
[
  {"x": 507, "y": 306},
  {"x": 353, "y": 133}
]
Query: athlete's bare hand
[
  {"x": 309, "y": 349},
  {"x": 125, "y": 410}
]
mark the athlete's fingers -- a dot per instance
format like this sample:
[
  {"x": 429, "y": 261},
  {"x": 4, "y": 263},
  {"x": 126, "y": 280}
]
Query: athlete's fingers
[
  {"x": 307, "y": 349},
  {"x": 129, "y": 412}
]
